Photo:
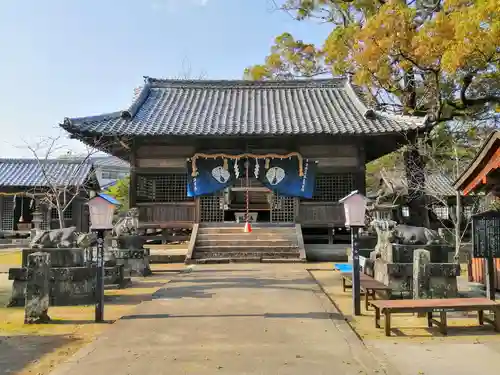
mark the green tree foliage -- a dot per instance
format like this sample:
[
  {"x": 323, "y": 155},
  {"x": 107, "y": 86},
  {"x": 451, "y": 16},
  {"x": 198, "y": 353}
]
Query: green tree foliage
[
  {"x": 120, "y": 191},
  {"x": 435, "y": 57},
  {"x": 439, "y": 58}
]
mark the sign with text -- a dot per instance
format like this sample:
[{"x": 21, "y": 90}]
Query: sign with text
[{"x": 486, "y": 234}]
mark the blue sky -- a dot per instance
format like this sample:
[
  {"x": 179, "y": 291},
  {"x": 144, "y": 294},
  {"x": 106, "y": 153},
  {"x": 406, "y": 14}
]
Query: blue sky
[{"x": 70, "y": 58}]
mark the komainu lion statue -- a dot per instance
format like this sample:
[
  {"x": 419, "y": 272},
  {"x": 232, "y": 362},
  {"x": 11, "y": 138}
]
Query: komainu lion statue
[
  {"x": 410, "y": 235},
  {"x": 127, "y": 225}
]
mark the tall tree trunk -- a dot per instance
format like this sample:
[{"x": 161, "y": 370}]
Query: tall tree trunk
[{"x": 415, "y": 177}]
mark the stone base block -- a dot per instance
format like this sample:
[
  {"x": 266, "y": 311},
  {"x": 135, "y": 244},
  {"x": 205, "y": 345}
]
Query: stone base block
[
  {"x": 399, "y": 277},
  {"x": 135, "y": 262},
  {"x": 59, "y": 257},
  {"x": 68, "y": 286}
]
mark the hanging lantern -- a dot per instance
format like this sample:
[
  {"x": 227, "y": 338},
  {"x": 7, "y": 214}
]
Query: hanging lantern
[
  {"x": 226, "y": 164},
  {"x": 248, "y": 227},
  {"x": 268, "y": 162}
]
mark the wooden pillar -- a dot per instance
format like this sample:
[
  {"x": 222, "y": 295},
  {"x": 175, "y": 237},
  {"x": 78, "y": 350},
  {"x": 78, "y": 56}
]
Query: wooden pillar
[
  {"x": 458, "y": 225},
  {"x": 360, "y": 177},
  {"x": 132, "y": 198},
  {"x": 1, "y": 212}
]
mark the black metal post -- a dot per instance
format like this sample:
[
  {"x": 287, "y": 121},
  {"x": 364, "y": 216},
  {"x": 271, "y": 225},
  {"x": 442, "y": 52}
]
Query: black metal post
[
  {"x": 356, "y": 290},
  {"x": 99, "y": 304}
]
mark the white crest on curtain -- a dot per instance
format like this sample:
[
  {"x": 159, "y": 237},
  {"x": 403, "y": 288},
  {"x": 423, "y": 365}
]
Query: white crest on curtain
[
  {"x": 275, "y": 175},
  {"x": 220, "y": 174}
]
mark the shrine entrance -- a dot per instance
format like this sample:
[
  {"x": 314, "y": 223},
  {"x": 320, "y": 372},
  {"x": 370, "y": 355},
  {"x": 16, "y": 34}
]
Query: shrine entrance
[{"x": 259, "y": 201}]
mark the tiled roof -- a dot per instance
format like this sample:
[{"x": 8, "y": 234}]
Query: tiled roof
[
  {"x": 179, "y": 107},
  {"x": 436, "y": 184},
  {"x": 34, "y": 173},
  {"x": 110, "y": 162}
]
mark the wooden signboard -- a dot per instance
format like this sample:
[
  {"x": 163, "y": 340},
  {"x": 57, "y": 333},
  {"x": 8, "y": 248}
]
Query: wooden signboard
[
  {"x": 486, "y": 244},
  {"x": 486, "y": 234}
]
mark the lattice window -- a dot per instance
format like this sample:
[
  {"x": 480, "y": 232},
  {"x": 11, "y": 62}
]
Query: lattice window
[
  {"x": 283, "y": 209},
  {"x": 67, "y": 214},
  {"x": 212, "y": 208},
  {"x": 8, "y": 213},
  {"x": 330, "y": 187},
  {"x": 441, "y": 212},
  {"x": 171, "y": 187}
]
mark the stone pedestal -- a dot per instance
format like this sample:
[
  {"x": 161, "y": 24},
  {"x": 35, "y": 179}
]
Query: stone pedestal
[
  {"x": 129, "y": 252},
  {"x": 37, "y": 289}
]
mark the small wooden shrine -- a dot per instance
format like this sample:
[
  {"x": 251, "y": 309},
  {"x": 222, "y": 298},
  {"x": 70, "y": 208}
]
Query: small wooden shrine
[{"x": 483, "y": 177}]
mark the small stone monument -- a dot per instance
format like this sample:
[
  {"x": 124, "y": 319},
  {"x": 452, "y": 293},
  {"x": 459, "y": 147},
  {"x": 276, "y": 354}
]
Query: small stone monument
[
  {"x": 37, "y": 289},
  {"x": 421, "y": 261}
]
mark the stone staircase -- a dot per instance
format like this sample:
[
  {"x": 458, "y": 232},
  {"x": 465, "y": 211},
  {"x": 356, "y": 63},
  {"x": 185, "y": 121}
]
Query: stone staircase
[{"x": 227, "y": 242}]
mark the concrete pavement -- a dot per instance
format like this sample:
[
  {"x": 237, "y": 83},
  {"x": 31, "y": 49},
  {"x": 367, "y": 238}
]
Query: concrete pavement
[{"x": 230, "y": 319}]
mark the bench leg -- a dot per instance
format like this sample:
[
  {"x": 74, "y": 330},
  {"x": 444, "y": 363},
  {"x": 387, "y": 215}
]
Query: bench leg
[
  {"x": 377, "y": 317},
  {"x": 343, "y": 284},
  {"x": 387, "y": 323},
  {"x": 496, "y": 319},
  {"x": 429, "y": 319},
  {"x": 480, "y": 317},
  {"x": 367, "y": 294},
  {"x": 443, "y": 327}
]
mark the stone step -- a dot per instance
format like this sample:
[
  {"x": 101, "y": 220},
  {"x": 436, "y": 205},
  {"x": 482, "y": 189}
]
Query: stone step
[
  {"x": 245, "y": 260},
  {"x": 283, "y": 260},
  {"x": 240, "y": 230},
  {"x": 249, "y": 235},
  {"x": 225, "y": 260},
  {"x": 259, "y": 224},
  {"x": 217, "y": 247},
  {"x": 212, "y": 242},
  {"x": 247, "y": 255}
]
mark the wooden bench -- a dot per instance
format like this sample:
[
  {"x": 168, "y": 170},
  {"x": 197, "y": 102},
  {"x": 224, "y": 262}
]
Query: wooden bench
[
  {"x": 368, "y": 285},
  {"x": 441, "y": 306}
]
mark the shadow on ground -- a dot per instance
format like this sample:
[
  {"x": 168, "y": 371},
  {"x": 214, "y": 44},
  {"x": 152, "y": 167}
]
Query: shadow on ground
[
  {"x": 27, "y": 349},
  {"x": 202, "y": 287},
  {"x": 310, "y": 315}
]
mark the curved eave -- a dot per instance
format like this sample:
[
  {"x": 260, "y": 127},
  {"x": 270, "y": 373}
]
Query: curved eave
[{"x": 486, "y": 160}]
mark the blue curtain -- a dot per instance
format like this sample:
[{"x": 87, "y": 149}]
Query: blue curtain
[
  {"x": 283, "y": 176},
  {"x": 211, "y": 176}
]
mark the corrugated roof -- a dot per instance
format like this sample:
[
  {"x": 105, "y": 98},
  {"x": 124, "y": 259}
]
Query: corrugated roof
[
  {"x": 34, "y": 173},
  {"x": 436, "y": 184},
  {"x": 179, "y": 107}
]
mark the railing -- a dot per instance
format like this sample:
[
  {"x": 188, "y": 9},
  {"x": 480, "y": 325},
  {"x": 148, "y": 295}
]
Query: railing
[
  {"x": 321, "y": 213},
  {"x": 169, "y": 214}
]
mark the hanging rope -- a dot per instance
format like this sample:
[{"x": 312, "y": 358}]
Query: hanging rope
[
  {"x": 194, "y": 172},
  {"x": 21, "y": 218},
  {"x": 247, "y": 196}
]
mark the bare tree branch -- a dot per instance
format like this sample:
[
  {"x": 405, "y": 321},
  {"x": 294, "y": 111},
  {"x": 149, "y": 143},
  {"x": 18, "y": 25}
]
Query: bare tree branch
[{"x": 61, "y": 187}]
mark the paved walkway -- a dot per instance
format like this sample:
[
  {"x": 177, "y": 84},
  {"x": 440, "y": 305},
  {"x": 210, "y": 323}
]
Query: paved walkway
[{"x": 230, "y": 319}]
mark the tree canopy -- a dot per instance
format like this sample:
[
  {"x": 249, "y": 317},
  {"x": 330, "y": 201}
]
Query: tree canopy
[
  {"x": 120, "y": 191},
  {"x": 423, "y": 57}
]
